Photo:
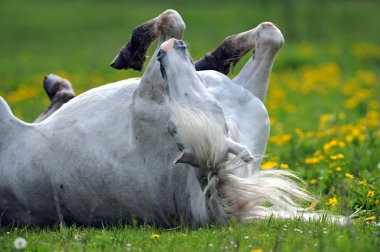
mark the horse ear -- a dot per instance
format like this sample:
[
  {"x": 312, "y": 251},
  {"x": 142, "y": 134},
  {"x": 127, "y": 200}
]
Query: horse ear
[
  {"x": 186, "y": 157},
  {"x": 132, "y": 55}
]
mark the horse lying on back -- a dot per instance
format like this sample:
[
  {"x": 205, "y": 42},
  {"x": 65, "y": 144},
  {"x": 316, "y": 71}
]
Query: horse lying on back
[{"x": 174, "y": 145}]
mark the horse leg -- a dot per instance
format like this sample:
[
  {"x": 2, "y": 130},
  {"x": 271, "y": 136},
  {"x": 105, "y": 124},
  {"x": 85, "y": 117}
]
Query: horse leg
[
  {"x": 239, "y": 150},
  {"x": 59, "y": 91},
  {"x": 226, "y": 55},
  {"x": 133, "y": 54},
  {"x": 265, "y": 39}
]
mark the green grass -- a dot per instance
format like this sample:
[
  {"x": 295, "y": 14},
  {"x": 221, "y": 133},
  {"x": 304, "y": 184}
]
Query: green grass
[
  {"x": 270, "y": 235},
  {"x": 323, "y": 103}
]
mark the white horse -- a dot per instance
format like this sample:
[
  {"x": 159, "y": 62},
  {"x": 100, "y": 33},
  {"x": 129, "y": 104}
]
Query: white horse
[{"x": 154, "y": 149}]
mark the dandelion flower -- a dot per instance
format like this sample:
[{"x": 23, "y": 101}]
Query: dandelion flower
[
  {"x": 370, "y": 218},
  {"x": 337, "y": 156},
  {"x": 269, "y": 165},
  {"x": 341, "y": 144},
  {"x": 332, "y": 201},
  {"x": 313, "y": 160},
  {"x": 350, "y": 176},
  {"x": 256, "y": 250},
  {"x": 155, "y": 236},
  {"x": 20, "y": 243},
  {"x": 284, "y": 166},
  {"x": 370, "y": 193},
  {"x": 338, "y": 169},
  {"x": 312, "y": 181},
  {"x": 362, "y": 182}
]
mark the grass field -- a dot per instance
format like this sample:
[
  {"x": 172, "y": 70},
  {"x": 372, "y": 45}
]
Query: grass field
[{"x": 323, "y": 101}]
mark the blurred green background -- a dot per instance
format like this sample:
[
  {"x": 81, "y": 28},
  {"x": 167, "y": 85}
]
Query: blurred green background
[{"x": 78, "y": 39}]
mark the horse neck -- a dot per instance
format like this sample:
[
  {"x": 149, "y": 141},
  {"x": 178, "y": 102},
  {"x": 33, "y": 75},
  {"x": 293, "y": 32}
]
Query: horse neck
[{"x": 152, "y": 84}]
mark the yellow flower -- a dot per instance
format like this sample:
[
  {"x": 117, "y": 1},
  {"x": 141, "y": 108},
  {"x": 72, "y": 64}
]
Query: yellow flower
[
  {"x": 337, "y": 156},
  {"x": 370, "y": 218},
  {"x": 155, "y": 236},
  {"x": 312, "y": 160},
  {"x": 362, "y": 182},
  {"x": 284, "y": 166},
  {"x": 269, "y": 165},
  {"x": 22, "y": 93},
  {"x": 377, "y": 202},
  {"x": 332, "y": 201},
  {"x": 312, "y": 181},
  {"x": 280, "y": 139},
  {"x": 370, "y": 193},
  {"x": 350, "y": 176},
  {"x": 341, "y": 144},
  {"x": 256, "y": 250},
  {"x": 338, "y": 169},
  {"x": 326, "y": 147},
  {"x": 299, "y": 133}
]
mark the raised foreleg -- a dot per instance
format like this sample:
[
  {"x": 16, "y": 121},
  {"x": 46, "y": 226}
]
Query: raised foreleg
[
  {"x": 265, "y": 40},
  {"x": 254, "y": 76},
  {"x": 167, "y": 25}
]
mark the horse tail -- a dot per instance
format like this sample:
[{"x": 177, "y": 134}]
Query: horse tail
[{"x": 264, "y": 194}]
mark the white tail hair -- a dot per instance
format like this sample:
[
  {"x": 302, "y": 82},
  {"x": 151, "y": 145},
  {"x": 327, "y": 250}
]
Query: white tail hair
[{"x": 262, "y": 195}]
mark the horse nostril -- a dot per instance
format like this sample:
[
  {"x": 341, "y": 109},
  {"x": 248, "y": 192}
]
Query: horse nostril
[
  {"x": 179, "y": 44},
  {"x": 160, "y": 54}
]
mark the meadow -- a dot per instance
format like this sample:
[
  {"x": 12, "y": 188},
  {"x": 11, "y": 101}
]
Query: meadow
[{"x": 323, "y": 101}]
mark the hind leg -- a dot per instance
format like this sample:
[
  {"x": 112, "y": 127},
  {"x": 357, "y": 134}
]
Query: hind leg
[{"x": 59, "y": 91}]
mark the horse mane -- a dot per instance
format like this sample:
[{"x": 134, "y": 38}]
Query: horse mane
[
  {"x": 201, "y": 133},
  {"x": 264, "y": 194}
]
